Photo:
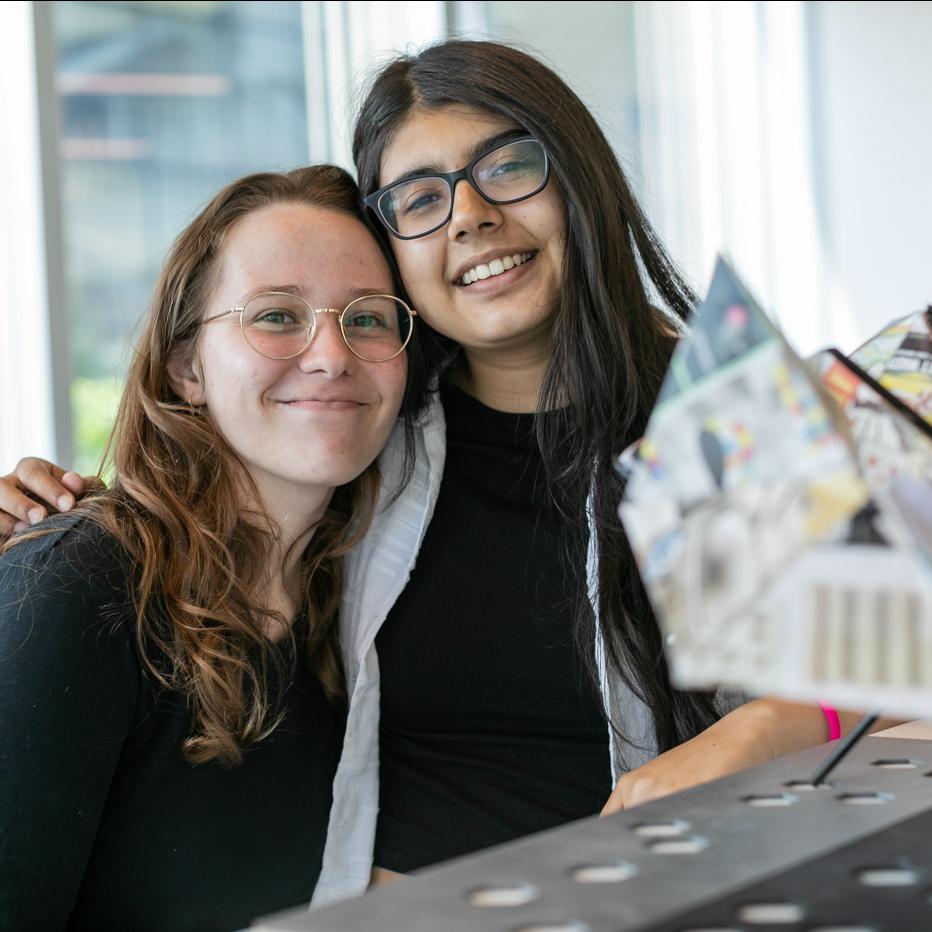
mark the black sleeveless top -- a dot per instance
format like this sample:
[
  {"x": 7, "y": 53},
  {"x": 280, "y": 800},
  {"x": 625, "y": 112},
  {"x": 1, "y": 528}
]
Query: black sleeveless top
[{"x": 490, "y": 726}]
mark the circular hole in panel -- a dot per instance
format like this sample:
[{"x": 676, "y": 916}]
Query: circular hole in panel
[
  {"x": 771, "y": 913},
  {"x": 771, "y": 800},
  {"x": 686, "y": 844},
  {"x": 896, "y": 763},
  {"x": 603, "y": 873},
  {"x": 571, "y": 926},
  {"x": 866, "y": 799},
  {"x": 669, "y": 828},
  {"x": 888, "y": 877},
  {"x": 516, "y": 894}
]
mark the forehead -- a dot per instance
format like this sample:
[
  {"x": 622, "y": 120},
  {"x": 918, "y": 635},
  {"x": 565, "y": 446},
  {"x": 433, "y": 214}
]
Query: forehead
[
  {"x": 441, "y": 138},
  {"x": 316, "y": 249}
]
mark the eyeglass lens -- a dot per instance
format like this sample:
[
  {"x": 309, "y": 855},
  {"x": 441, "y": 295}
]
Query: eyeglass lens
[
  {"x": 509, "y": 173},
  {"x": 280, "y": 326}
]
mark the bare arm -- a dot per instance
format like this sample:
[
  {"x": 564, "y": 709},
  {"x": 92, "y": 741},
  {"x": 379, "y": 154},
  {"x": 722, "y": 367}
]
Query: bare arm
[{"x": 756, "y": 732}]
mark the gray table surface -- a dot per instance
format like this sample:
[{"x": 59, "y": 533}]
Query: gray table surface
[{"x": 740, "y": 844}]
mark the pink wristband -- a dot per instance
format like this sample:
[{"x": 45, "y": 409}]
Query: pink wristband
[{"x": 832, "y": 720}]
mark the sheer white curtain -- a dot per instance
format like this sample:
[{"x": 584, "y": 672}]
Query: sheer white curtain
[
  {"x": 345, "y": 44},
  {"x": 27, "y": 422},
  {"x": 726, "y": 102}
]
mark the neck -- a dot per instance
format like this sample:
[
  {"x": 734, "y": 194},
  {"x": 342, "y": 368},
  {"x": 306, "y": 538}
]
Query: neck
[
  {"x": 293, "y": 515},
  {"x": 503, "y": 381},
  {"x": 296, "y": 531}
]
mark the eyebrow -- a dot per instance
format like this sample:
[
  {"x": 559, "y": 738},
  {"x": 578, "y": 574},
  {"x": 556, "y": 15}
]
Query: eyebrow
[
  {"x": 288, "y": 289},
  {"x": 474, "y": 151},
  {"x": 298, "y": 292}
]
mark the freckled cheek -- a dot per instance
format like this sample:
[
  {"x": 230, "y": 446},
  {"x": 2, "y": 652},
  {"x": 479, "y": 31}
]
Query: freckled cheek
[
  {"x": 387, "y": 382},
  {"x": 239, "y": 378},
  {"x": 393, "y": 387}
]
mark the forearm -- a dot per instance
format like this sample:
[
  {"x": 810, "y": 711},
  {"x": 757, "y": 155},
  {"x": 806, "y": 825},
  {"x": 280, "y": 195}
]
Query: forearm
[
  {"x": 755, "y": 732},
  {"x": 782, "y": 727}
]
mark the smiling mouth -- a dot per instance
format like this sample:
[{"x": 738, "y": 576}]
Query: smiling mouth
[
  {"x": 482, "y": 272},
  {"x": 334, "y": 404}
]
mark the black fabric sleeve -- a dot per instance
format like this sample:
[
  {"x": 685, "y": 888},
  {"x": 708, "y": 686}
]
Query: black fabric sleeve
[{"x": 70, "y": 684}]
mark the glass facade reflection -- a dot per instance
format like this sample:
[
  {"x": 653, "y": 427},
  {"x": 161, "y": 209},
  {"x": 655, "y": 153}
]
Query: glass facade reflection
[{"x": 161, "y": 104}]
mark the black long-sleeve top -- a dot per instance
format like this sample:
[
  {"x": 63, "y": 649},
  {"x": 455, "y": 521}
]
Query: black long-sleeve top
[{"x": 103, "y": 824}]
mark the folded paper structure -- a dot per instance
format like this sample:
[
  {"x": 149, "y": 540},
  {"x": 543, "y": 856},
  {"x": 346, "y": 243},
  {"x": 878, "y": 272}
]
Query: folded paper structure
[{"x": 781, "y": 513}]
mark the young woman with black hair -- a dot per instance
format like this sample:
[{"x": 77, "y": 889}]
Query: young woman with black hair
[{"x": 520, "y": 669}]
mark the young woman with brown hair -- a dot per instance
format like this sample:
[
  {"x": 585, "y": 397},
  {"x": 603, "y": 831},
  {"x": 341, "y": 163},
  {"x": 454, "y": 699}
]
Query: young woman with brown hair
[{"x": 171, "y": 692}]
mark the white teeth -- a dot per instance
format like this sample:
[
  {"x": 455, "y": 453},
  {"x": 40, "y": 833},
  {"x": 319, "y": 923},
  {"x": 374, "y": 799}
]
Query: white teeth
[{"x": 495, "y": 267}]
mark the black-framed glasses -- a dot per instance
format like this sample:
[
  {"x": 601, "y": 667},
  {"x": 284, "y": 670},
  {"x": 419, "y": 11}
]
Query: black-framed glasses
[
  {"x": 280, "y": 325},
  {"x": 509, "y": 173}
]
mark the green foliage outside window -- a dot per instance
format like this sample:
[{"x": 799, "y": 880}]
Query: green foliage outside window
[{"x": 94, "y": 404}]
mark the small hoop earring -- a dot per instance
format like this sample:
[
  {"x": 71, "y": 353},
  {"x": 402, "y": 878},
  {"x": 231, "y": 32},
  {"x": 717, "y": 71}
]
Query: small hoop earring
[{"x": 192, "y": 409}]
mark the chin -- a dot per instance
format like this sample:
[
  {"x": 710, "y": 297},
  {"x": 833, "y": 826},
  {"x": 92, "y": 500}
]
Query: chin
[
  {"x": 499, "y": 325},
  {"x": 506, "y": 335},
  {"x": 295, "y": 471},
  {"x": 330, "y": 477}
]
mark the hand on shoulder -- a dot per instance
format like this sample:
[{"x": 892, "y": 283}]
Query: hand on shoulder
[{"x": 35, "y": 489}]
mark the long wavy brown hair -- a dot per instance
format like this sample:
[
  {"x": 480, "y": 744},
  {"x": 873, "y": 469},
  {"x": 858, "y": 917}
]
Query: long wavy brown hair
[{"x": 176, "y": 506}]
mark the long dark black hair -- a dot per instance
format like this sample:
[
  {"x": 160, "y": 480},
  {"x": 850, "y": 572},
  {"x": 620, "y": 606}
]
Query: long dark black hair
[{"x": 611, "y": 343}]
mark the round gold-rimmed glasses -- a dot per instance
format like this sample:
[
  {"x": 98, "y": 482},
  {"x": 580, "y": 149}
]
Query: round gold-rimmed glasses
[{"x": 281, "y": 325}]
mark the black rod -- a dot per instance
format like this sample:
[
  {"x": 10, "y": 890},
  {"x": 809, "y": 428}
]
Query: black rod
[{"x": 844, "y": 746}]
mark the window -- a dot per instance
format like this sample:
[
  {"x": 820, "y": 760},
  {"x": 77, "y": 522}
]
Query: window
[{"x": 161, "y": 104}]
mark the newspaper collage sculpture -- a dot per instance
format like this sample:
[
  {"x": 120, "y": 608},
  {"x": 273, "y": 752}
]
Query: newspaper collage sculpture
[{"x": 780, "y": 511}]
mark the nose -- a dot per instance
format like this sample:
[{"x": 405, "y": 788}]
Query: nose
[
  {"x": 471, "y": 212},
  {"x": 327, "y": 353}
]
